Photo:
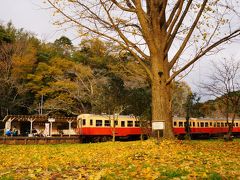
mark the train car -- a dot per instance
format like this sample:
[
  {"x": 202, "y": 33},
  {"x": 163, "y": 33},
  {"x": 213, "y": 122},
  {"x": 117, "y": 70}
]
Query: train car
[
  {"x": 205, "y": 127},
  {"x": 94, "y": 127}
]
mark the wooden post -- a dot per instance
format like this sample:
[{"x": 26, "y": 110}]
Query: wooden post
[
  {"x": 31, "y": 126},
  {"x": 50, "y": 129},
  {"x": 8, "y": 124},
  {"x": 69, "y": 126},
  {"x": 51, "y": 120}
]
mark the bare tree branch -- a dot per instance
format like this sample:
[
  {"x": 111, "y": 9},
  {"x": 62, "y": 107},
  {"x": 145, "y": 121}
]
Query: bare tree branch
[
  {"x": 204, "y": 51},
  {"x": 131, "y": 9},
  {"x": 171, "y": 35},
  {"x": 179, "y": 52}
]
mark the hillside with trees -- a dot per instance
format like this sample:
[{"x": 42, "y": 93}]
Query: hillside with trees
[{"x": 62, "y": 79}]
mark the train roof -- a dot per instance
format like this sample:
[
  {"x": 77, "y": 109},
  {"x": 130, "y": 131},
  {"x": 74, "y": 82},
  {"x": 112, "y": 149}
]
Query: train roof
[
  {"x": 204, "y": 119},
  {"x": 107, "y": 116}
]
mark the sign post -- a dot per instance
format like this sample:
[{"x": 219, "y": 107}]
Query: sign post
[{"x": 158, "y": 126}]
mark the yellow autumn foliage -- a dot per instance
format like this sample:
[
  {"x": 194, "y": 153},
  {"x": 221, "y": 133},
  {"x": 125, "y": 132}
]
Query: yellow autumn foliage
[{"x": 212, "y": 159}]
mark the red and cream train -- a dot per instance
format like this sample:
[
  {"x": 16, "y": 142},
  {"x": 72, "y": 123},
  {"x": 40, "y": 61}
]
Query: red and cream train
[
  {"x": 205, "y": 127},
  {"x": 93, "y": 127}
]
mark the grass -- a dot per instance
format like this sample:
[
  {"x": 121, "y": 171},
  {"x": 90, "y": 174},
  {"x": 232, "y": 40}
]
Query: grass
[{"x": 213, "y": 159}]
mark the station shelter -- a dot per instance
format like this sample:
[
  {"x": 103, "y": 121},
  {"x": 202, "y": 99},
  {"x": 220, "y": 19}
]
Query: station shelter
[{"x": 40, "y": 125}]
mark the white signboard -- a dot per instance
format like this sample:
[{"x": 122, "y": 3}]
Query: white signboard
[
  {"x": 158, "y": 125},
  {"x": 51, "y": 120}
]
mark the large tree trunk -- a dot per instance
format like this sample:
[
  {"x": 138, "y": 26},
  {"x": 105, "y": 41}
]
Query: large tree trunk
[
  {"x": 161, "y": 96},
  {"x": 230, "y": 125}
]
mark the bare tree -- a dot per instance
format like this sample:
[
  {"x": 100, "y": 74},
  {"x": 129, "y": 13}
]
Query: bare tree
[
  {"x": 224, "y": 85},
  {"x": 165, "y": 36}
]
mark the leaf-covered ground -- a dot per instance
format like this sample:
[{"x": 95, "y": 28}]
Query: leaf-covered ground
[{"x": 212, "y": 159}]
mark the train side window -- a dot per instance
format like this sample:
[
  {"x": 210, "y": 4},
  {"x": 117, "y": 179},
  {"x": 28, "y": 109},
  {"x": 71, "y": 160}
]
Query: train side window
[
  {"x": 91, "y": 122},
  {"x": 226, "y": 125},
  {"x": 193, "y": 124},
  {"x": 122, "y": 123},
  {"x": 198, "y": 124},
  {"x": 202, "y": 124},
  {"x": 222, "y": 124},
  {"x": 218, "y": 124},
  {"x": 206, "y": 124},
  {"x": 215, "y": 124},
  {"x": 84, "y": 122},
  {"x": 174, "y": 123},
  {"x": 98, "y": 122},
  {"x": 116, "y": 123},
  {"x": 236, "y": 124},
  {"x": 107, "y": 123},
  {"x": 130, "y": 123},
  {"x": 180, "y": 124},
  {"x": 137, "y": 123},
  {"x": 210, "y": 123}
]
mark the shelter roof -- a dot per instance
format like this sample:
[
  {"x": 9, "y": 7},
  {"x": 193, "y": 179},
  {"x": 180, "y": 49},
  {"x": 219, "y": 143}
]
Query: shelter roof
[{"x": 38, "y": 118}]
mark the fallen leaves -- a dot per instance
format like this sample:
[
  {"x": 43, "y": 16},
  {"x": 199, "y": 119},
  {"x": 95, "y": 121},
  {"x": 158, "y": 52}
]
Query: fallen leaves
[{"x": 122, "y": 160}]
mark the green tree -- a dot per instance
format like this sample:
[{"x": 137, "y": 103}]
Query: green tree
[
  {"x": 112, "y": 96},
  {"x": 63, "y": 46},
  {"x": 192, "y": 109}
]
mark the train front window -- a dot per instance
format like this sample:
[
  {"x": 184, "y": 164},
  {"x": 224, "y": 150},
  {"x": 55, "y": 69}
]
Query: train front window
[
  {"x": 130, "y": 123},
  {"x": 174, "y": 123},
  {"x": 122, "y": 123},
  {"x": 98, "y": 122},
  {"x": 137, "y": 123},
  {"x": 180, "y": 124},
  {"x": 107, "y": 123}
]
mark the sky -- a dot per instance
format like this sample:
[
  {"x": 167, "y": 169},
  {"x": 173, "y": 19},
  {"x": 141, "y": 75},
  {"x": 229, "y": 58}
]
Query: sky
[{"x": 33, "y": 16}]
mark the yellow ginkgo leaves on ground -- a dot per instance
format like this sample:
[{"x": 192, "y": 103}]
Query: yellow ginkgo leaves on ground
[{"x": 123, "y": 160}]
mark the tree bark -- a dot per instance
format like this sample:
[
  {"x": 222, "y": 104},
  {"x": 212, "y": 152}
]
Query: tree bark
[
  {"x": 161, "y": 90},
  {"x": 161, "y": 96}
]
